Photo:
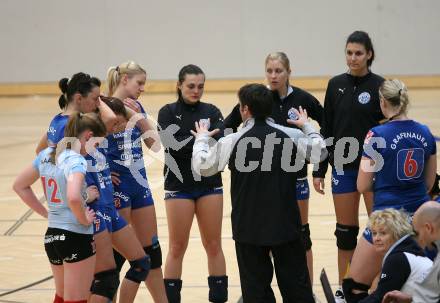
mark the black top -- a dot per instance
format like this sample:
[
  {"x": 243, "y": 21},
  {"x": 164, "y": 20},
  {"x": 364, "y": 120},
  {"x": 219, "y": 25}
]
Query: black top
[
  {"x": 396, "y": 268},
  {"x": 261, "y": 157},
  {"x": 176, "y": 120},
  {"x": 280, "y": 112},
  {"x": 351, "y": 109}
]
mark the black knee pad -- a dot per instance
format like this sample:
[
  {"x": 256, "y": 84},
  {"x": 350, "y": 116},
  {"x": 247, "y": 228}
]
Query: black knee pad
[
  {"x": 155, "y": 253},
  {"x": 106, "y": 283},
  {"x": 306, "y": 236},
  {"x": 139, "y": 269},
  {"x": 119, "y": 260},
  {"x": 218, "y": 289},
  {"x": 348, "y": 285},
  {"x": 346, "y": 236},
  {"x": 173, "y": 288}
]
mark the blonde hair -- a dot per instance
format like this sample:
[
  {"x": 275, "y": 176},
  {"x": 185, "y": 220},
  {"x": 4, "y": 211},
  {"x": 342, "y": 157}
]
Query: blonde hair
[
  {"x": 396, "y": 221},
  {"x": 395, "y": 92},
  {"x": 280, "y": 56},
  {"x": 114, "y": 74}
]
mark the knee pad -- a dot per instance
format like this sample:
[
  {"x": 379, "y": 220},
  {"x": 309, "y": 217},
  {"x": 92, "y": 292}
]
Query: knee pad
[
  {"x": 348, "y": 285},
  {"x": 155, "y": 253},
  {"x": 139, "y": 269},
  {"x": 173, "y": 288},
  {"x": 218, "y": 289},
  {"x": 106, "y": 283},
  {"x": 306, "y": 236},
  {"x": 119, "y": 260},
  {"x": 346, "y": 236}
]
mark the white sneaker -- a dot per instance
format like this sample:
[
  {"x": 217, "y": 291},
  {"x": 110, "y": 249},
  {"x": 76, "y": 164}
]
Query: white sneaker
[{"x": 339, "y": 296}]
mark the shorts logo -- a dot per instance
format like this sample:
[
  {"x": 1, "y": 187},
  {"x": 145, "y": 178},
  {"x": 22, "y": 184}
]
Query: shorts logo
[
  {"x": 364, "y": 98},
  {"x": 97, "y": 223},
  {"x": 292, "y": 114},
  {"x": 93, "y": 246},
  {"x": 117, "y": 202},
  {"x": 335, "y": 181},
  {"x": 71, "y": 258}
]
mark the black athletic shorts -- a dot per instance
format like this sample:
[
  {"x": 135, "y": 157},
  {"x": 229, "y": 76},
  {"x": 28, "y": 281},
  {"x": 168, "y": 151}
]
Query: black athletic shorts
[{"x": 65, "y": 246}]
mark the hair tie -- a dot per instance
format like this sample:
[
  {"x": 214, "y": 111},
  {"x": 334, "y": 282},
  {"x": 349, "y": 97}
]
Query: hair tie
[
  {"x": 400, "y": 92},
  {"x": 117, "y": 69}
]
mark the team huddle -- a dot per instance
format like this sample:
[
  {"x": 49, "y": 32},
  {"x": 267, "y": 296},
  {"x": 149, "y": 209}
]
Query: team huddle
[{"x": 101, "y": 210}]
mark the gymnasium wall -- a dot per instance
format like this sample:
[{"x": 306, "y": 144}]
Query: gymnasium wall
[{"x": 44, "y": 40}]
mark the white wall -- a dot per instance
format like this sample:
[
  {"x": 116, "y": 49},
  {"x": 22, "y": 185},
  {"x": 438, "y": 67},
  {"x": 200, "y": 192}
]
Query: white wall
[{"x": 45, "y": 40}]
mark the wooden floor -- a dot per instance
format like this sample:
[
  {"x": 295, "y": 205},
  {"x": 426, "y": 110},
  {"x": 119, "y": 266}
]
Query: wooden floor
[{"x": 23, "y": 120}]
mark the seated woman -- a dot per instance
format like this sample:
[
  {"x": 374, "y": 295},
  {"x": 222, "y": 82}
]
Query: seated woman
[{"x": 404, "y": 262}]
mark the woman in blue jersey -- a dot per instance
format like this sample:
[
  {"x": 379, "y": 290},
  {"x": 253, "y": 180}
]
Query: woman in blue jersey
[
  {"x": 132, "y": 194},
  {"x": 68, "y": 242},
  {"x": 187, "y": 194},
  {"x": 109, "y": 229},
  {"x": 398, "y": 164}
]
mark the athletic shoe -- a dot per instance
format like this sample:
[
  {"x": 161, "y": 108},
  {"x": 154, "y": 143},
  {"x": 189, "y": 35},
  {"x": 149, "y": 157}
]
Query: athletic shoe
[{"x": 339, "y": 296}]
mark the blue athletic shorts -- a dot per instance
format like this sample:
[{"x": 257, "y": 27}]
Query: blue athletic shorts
[
  {"x": 302, "y": 189},
  {"x": 107, "y": 217},
  {"x": 131, "y": 194},
  {"x": 193, "y": 195},
  {"x": 346, "y": 183}
]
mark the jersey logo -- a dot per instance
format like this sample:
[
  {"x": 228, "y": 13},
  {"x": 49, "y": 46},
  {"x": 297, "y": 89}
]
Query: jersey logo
[
  {"x": 342, "y": 90},
  {"x": 364, "y": 98},
  {"x": 292, "y": 114},
  {"x": 52, "y": 130},
  {"x": 179, "y": 117},
  {"x": 383, "y": 276}
]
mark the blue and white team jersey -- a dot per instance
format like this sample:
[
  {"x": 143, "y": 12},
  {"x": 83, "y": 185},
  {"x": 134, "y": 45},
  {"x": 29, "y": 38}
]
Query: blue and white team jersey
[
  {"x": 408, "y": 145},
  {"x": 98, "y": 174},
  {"x": 54, "y": 179},
  {"x": 56, "y": 129},
  {"x": 125, "y": 155}
]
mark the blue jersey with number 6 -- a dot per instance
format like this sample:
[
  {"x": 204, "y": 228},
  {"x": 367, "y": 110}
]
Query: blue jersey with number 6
[{"x": 404, "y": 147}]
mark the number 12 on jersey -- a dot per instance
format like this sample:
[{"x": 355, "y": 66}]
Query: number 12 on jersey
[{"x": 52, "y": 184}]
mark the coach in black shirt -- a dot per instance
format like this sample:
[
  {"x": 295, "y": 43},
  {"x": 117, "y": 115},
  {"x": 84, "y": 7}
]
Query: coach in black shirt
[{"x": 264, "y": 158}]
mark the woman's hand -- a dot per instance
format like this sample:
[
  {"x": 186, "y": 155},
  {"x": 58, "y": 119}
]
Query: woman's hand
[
  {"x": 89, "y": 215},
  {"x": 132, "y": 104},
  {"x": 92, "y": 194},
  {"x": 115, "y": 178},
  {"x": 318, "y": 184},
  {"x": 203, "y": 129}
]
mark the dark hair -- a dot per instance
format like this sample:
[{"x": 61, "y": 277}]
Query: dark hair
[
  {"x": 258, "y": 98},
  {"x": 79, "y": 83},
  {"x": 363, "y": 38},
  {"x": 116, "y": 105},
  {"x": 189, "y": 69}
]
